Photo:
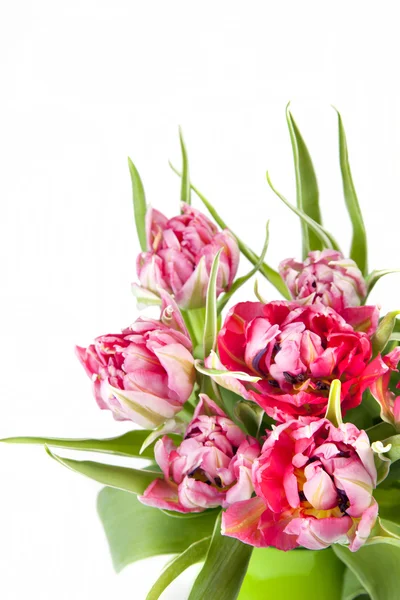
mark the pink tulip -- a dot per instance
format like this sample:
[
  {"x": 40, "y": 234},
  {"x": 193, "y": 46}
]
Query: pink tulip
[
  {"x": 313, "y": 485},
  {"x": 180, "y": 254},
  {"x": 388, "y": 401},
  {"x": 146, "y": 373},
  {"x": 211, "y": 467},
  {"x": 295, "y": 351},
  {"x": 325, "y": 277},
  {"x": 330, "y": 279}
]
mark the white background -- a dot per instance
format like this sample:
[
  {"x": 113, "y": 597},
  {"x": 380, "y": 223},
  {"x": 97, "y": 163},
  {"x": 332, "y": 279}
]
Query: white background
[{"x": 85, "y": 83}]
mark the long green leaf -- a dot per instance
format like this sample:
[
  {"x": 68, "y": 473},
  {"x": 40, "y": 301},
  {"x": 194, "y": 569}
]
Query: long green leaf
[
  {"x": 389, "y": 502},
  {"x": 358, "y": 251},
  {"x": 242, "y": 280},
  {"x": 210, "y": 325},
  {"x": 268, "y": 272},
  {"x": 352, "y": 588},
  {"x": 130, "y": 480},
  {"x": 128, "y": 444},
  {"x": 135, "y": 531},
  {"x": 375, "y": 276},
  {"x": 327, "y": 240},
  {"x": 384, "y": 331},
  {"x": 306, "y": 186},
  {"x": 139, "y": 205},
  {"x": 381, "y": 431},
  {"x": 194, "y": 554},
  {"x": 376, "y": 567},
  {"x": 224, "y": 569},
  {"x": 334, "y": 411},
  {"x": 185, "y": 183}
]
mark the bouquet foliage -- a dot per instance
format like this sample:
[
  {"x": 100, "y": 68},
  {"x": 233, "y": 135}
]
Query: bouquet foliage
[{"x": 275, "y": 424}]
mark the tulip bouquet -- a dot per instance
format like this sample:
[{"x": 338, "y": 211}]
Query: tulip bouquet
[{"x": 274, "y": 426}]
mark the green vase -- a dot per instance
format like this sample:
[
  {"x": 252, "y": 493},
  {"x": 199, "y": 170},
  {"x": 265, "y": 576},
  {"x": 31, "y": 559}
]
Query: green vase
[{"x": 300, "y": 574}]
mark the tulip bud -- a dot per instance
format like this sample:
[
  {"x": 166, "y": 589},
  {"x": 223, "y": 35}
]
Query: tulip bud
[
  {"x": 146, "y": 373},
  {"x": 180, "y": 255},
  {"x": 211, "y": 467},
  {"x": 325, "y": 277}
]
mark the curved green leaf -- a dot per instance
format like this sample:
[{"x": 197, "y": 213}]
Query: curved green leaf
[
  {"x": 224, "y": 569},
  {"x": 381, "y": 431},
  {"x": 139, "y": 205},
  {"x": 358, "y": 251},
  {"x": 192, "y": 555},
  {"x": 384, "y": 331},
  {"x": 375, "y": 566},
  {"x": 130, "y": 480},
  {"x": 273, "y": 276},
  {"x": 185, "y": 183},
  {"x": 334, "y": 409},
  {"x": 135, "y": 531},
  {"x": 352, "y": 588},
  {"x": 375, "y": 276},
  {"x": 306, "y": 186},
  {"x": 327, "y": 240},
  {"x": 128, "y": 444},
  {"x": 211, "y": 319},
  {"x": 242, "y": 280}
]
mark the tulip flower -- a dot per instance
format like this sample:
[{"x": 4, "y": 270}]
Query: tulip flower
[
  {"x": 325, "y": 276},
  {"x": 290, "y": 353},
  {"x": 388, "y": 401},
  {"x": 146, "y": 373},
  {"x": 180, "y": 255},
  {"x": 313, "y": 485},
  {"x": 211, "y": 467}
]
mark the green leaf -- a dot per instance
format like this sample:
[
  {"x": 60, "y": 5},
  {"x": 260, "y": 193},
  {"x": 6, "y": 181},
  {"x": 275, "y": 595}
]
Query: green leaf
[
  {"x": 135, "y": 531},
  {"x": 389, "y": 502},
  {"x": 130, "y": 480},
  {"x": 380, "y": 431},
  {"x": 224, "y": 569},
  {"x": 352, "y": 588},
  {"x": 242, "y": 280},
  {"x": 375, "y": 276},
  {"x": 139, "y": 205},
  {"x": 384, "y": 331},
  {"x": 327, "y": 240},
  {"x": 269, "y": 273},
  {"x": 358, "y": 251},
  {"x": 175, "y": 425},
  {"x": 334, "y": 410},
  {"x": 185, "y": 183},
  {"x": 376, "y": 567},
  {"x": 306, "y": 186},
  {"x": 128, "y": 444},
  {"x": 199, "y": 365},
  {"x": 194, "y": 554},
  {"x": 393, "y": 454},
  {"x": 250, "y": 415},
  {"x": 211, "y": 325}
]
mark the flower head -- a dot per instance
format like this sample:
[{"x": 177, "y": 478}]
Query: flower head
[
  {"x": 327, "y": 277},
  {"x": 211, "y": 467},
  {"x": 146, "y": 373},
  {"x": 313, "y": 485},
  {"x": 296, "y": 351},
  {"x": 180, "y": 256}
]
